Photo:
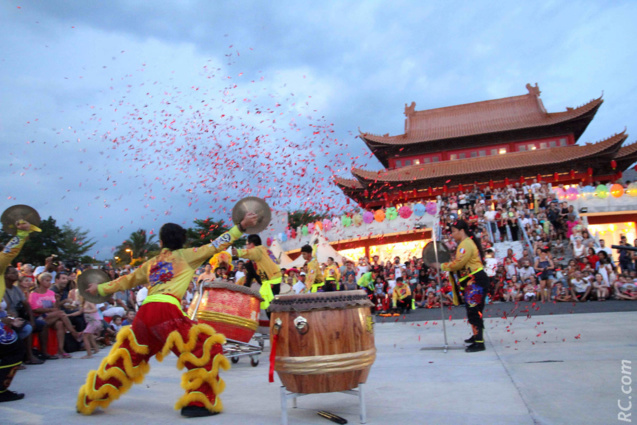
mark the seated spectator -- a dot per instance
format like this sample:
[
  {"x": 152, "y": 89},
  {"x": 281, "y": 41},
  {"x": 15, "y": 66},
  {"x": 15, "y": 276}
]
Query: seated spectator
[
  {"x": 130, "y": 316},
  {"x": 432, "y": 301},
  {"x": 625, "y": 288},
  {"x": 602, "y": 289},
  {"x": 109, "y": 310},
  {"x": 579, "y": 250},
  {"x": 562, "y": 294},
  {"x": 526, "y": 271},
  {"x": 580, "y": 287},
  {"x": 381, "y": 299},
  {"x": 116, "y": 324},
  {"x": 592, "y": 258},
  {"x": 420, "y": 296},
  {"x": 45, "y": 306},
  {"x": 514, "y": 291},
  {"x": 401, "y": 297},
  {"x": 510, "y": 268},
  {"x": 529, "y": 290},
  {"x": 350, "y": 283}
]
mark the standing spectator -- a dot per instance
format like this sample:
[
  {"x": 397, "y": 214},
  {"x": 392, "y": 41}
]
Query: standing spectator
[
  {"x": 544, "y": 265},
  {"x": 625, "y": 257}
]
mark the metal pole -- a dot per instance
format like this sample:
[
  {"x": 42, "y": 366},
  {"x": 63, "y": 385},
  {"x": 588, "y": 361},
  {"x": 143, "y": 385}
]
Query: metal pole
[{"x": 435, "y": 229}]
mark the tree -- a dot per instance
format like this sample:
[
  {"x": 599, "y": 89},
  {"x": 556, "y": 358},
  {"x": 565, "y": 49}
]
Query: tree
[
  {"x": 208, "y": 230},
  {"x": 40, "y": 244},
  {"x": 74, "y": 243},
  {"x": 302, "y": 217},
  {"x": 137, "y": 245}
]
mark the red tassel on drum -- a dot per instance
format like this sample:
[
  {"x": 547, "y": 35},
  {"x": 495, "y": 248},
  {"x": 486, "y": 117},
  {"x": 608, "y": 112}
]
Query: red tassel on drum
[{"x": 272, "y": 358}]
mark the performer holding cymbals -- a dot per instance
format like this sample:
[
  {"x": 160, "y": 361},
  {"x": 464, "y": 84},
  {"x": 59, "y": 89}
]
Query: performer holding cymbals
[
  {"x": 161, "y": 326},
  {"x": 471, "y": 278}
]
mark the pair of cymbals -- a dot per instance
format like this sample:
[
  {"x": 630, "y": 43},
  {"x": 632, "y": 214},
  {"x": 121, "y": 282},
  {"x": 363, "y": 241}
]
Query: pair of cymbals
[
  {"x": 252, "y": 204},
  {"x": 18, "y": 212},
  {"x": 435, "y": 252}
]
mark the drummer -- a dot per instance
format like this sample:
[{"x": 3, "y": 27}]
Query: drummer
[
  {"x": 161, "y": 326},
  {"x": 265, "y": 266},
  {"x": 472, "y": 278},
  {"x": 314, "y": 280}
]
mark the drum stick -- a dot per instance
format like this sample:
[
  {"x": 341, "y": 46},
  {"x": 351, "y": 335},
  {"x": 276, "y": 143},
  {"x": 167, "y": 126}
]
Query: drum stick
[{"x": 332, "y": 417}]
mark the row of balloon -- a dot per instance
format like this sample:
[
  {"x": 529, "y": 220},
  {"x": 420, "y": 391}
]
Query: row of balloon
[
  {"x": 601, "y": 192},
  {"x": 358, "y": 219}
]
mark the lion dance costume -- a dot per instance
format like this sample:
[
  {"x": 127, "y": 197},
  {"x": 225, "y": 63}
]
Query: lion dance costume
[{"x": 159, "y": 327}]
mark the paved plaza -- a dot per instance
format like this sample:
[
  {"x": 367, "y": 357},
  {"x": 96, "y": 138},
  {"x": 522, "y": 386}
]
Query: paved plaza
[{"x": 538, "y": 369}]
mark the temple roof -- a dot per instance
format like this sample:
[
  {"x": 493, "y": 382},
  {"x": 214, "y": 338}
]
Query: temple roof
[
  {"x": 437, "y": 173},
  {"x": 510, "y": 114},
  {"x": 348, "y": 183}
]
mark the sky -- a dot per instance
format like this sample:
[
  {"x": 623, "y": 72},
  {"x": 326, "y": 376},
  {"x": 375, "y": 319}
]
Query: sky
[{"x": 121, "y": 115}]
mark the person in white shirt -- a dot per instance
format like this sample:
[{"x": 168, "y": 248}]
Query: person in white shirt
[
  {"x": 603, "y": 247},
  {"x": 526, "y": 271},
  {"x": 141, "y": 296}
]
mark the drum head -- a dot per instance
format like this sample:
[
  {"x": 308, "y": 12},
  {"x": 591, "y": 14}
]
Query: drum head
[
  {"x": 320, "y": 301},
  {"x": 429, "y": 253},
  {"x": 88, "y": 277}
]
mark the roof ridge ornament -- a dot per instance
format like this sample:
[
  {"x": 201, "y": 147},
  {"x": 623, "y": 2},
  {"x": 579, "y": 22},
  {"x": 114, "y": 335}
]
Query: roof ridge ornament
[
  {"x": 534, "y": 90},
  {"x": 411, "y": 109}
]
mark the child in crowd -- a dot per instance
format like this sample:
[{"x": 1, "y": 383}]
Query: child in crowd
[
  {"x": 580, "y": 287},
  {"x": 562, "y": 294},
  {"x": 602, "y": 289},
  {"x": 130, "y": 316},
  {"x": 529, "y": 291},
  {"x": 93, "y": 327},
  {"x": 432, "y": 301},
  {"x": 116, "y": 324}
]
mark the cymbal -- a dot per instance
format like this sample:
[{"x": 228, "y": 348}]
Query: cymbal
[
  {"x": 429, "y": 253},
  {"x": 88, "y": 277},
  {"x": 18, "y": 212},
  {"x": 254, "y": 205}
]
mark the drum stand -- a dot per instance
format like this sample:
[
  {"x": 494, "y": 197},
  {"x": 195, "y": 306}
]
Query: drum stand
[
  {"x": 285, "y": 396},
  {"x": 434, "y": 235}
]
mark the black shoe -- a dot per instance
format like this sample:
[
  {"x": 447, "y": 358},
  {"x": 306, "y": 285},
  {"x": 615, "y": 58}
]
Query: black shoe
[
  {"x": 196, "y": 412},
  {"x": 470, "y": 340},
  {"x": 475, "y": 347},
  {"x": 9, "y": 395}
]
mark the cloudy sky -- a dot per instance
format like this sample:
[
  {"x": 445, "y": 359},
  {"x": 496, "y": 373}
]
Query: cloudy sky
[{"x": 123, "y": 115}]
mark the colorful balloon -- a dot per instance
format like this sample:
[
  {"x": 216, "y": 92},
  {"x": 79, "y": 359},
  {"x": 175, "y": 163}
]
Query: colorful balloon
[
  {"x": 617, "y": 190},
  {"x": 379, "y": 215},
  {"x": 601, "y": 191},
  {"x": 368, "y": 217},
  {"x": 346, "y": 221},
  {"x": 431, "y": 208},
  {"x": 572, "y": 193},
  {"x": 631, "y": 190},
  {"x": 391, "y": 213},
  {"x": 305, "y": 231},
  {"x": 327, "y": 224},
  {"x": 357, "y": 219},
  {"x": 419, "y": 210}
]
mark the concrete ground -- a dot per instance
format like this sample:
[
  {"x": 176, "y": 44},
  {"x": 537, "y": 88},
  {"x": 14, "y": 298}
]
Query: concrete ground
[{"x": 550, "y": 369}]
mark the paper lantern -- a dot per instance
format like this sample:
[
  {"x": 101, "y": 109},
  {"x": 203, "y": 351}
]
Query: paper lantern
[
  {"x": 346, "y": 221},
  {"x": 391, "y": 213},
  {"x": 430, "y": 191},
  {"x": 460, "y": 187},
  {"x": 357, "y": 219},
  {"x": 368, "y": 217},
  {"x": 305, "y": 231},
  {"x": 506, "y": 181},
  {"x": 556, "y": 176},
  {"x": 431, "y": 208},
  {"x": 613, "y": 164},
  {"x": 539, "y": 178},
  {"x": 588, "y": 192},
  {"x": 379, "y": 215},
  {"x": 589, "y": 171},
  {"x": 444, "y": 188},
  {"x": 572, "y": 174},
  {"x": 490, "y": 184},
  {"x": 601, "y": 191},
  {"x": 631, "y": 190},
  {"x": 405, "y": 212},
  {"x": 617, "y": 190},
  {"x": 521, "y": 179},
  {"x": 419, "y": 210},
  {"x": 327, "y": 224},
  {"x": 572, "y": 193}
]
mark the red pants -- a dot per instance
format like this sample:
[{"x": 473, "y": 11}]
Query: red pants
[{"x": 158, "y": 328}]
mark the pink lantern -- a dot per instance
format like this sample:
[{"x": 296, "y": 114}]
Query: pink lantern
[
  {"x": 368, "y": 217},
  {"x": 405, "y": 212}
]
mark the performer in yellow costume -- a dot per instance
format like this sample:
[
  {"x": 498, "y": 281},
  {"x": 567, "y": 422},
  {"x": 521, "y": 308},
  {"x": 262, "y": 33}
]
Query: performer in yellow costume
[
  {"x": 11, "y": 348},
  {"x": 401, "y": 296},
  {"x": 314, "y": 280},
  {"x": 161, "y": 326},
  {"x": 332, "y": 276},
  {"x": 266, "y": 268},
  {"x": 472, "y": 278}
]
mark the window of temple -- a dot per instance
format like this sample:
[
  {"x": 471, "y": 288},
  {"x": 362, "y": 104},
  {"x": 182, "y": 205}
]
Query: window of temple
[
  {"x": 427, "y": 160},
  {"x": 416, "y": 161},
  {"x": 502, "y": 150},
  {"x": 474, "y": 154},
  {"x": 552, "y": 144},
  {"x": 398, "y": 164},
  {"x": 462, "y": 155},
  {"x": 543, "y": 145},
  {"x": 407, "y": 162},
  {"x": 563, "y": 141},
  {"x": 483, "y": 153},
  {"x": 453, "y": 156},
  {"x": 435, "y": 159},
  {"x": 521, "y": 148},
  {"x": 494, "y": 151}
]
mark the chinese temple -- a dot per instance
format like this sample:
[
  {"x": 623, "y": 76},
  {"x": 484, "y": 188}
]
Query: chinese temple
[{"x": 491, "y": 143}]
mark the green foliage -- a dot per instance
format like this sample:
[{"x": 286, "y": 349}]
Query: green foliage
[
  {"x": 40, "y": 244},
  {"x": 138, "y": 245},
  {"x": 206, "y": 231},
  {"x": 74, "y": 243},
  {"x": 302, "y": 217}
]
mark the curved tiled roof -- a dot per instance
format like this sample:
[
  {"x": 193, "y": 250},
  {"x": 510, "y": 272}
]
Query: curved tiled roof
[
  {"x": 348, "y": 183},
  {"x": 487, "y": 164},
  {"x": 491, "y": 116},
  {"x": 628, "y": 150}
]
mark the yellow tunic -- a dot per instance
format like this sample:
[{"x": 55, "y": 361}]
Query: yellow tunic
[
  {"x": 314, "y": 278},
  {"x": 467, "y": 259},
  {"x": 332, "y": 273},
  {"x": 10, "y": 251},
  {"x": 267, "y": 269},
  {"x": 401, "y": 291},
  {"x": 170, "y": 272}
]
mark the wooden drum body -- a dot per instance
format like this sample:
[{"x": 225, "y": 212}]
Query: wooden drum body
[
  {"x": 231, "y": 309},
  {"x": 325, "y": 341}
]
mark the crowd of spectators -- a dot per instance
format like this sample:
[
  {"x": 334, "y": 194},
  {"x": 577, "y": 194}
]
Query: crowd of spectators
[{"x": 560, "y": 262}]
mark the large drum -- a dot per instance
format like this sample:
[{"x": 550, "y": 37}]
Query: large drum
[
  {"x": 231, "y": 309},
  {"x": 325, "y": 341}
]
